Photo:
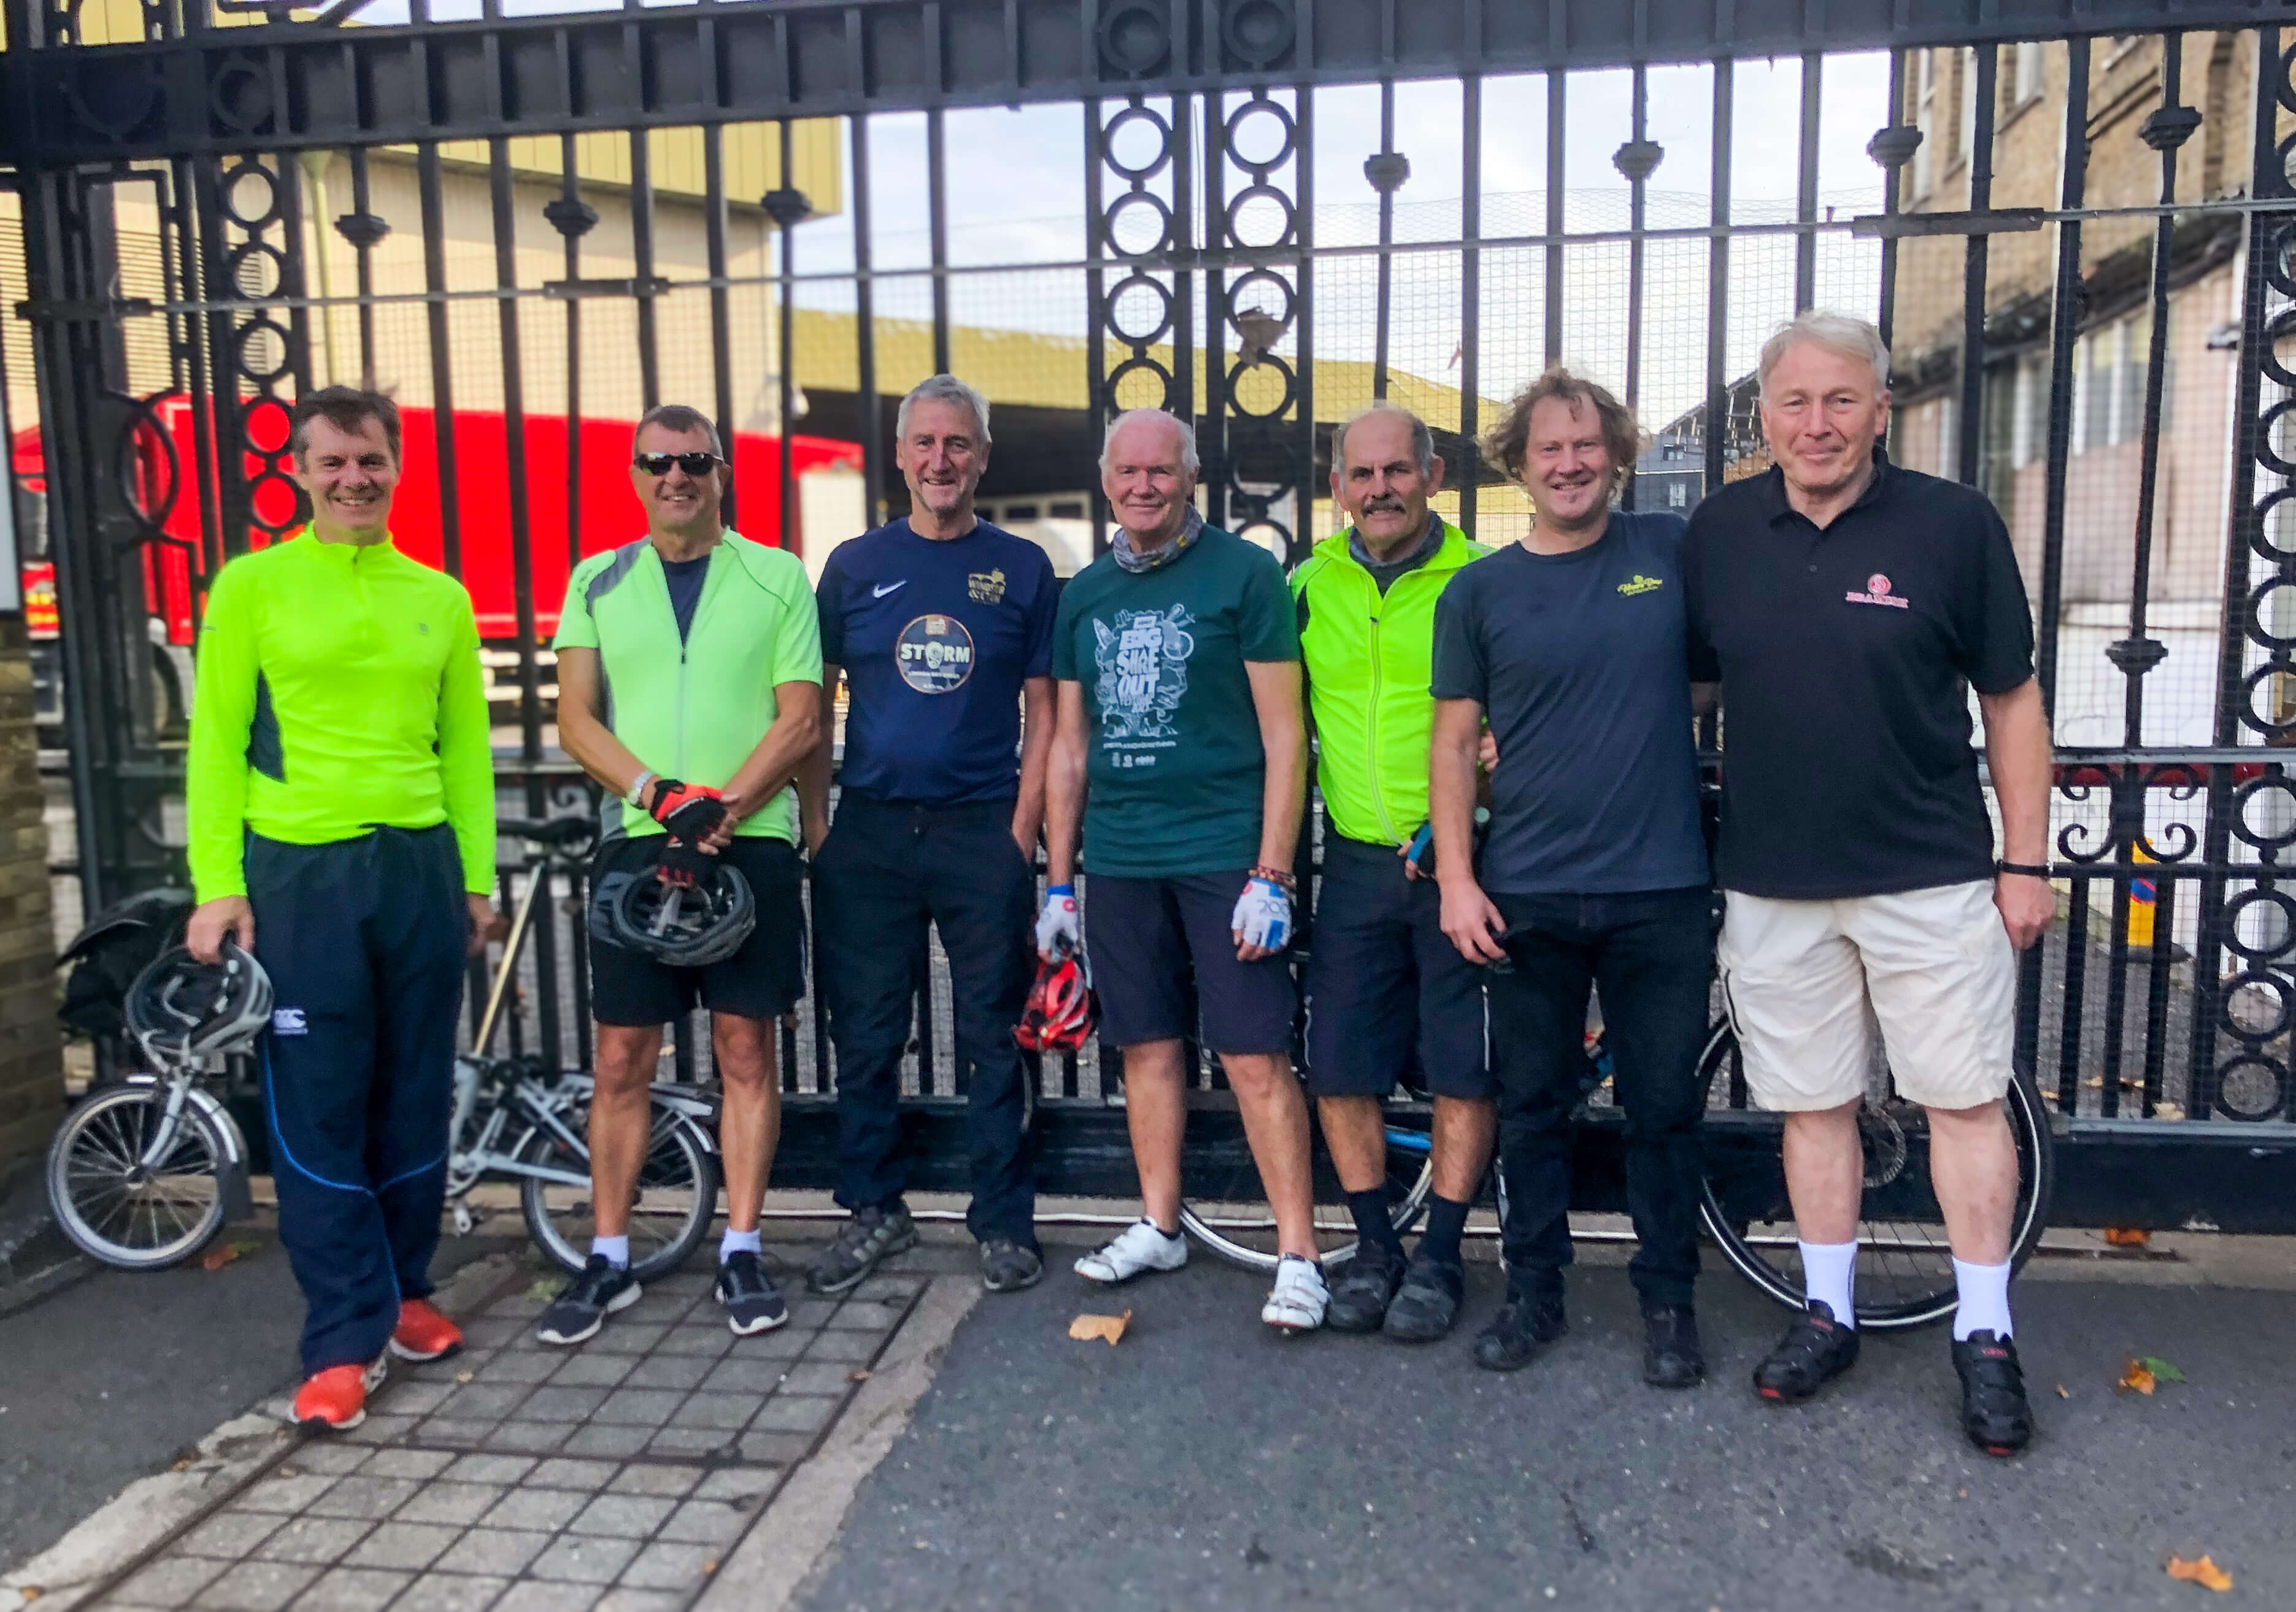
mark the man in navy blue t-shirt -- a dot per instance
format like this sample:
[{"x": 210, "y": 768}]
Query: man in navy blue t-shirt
[
  {"x": 943, "y": 627},
  {"x": 1574, "y": 646}
]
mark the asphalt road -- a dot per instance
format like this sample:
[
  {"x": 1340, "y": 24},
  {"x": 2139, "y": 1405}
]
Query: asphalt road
[
  {"x": 102, "y": 1381},
  {"x": 1203, "y": 1465}
]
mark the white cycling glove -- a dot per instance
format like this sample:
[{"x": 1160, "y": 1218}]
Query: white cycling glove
[
  {"x": 1057, "y": 931},
  {"x": 1263, "y": 915}
]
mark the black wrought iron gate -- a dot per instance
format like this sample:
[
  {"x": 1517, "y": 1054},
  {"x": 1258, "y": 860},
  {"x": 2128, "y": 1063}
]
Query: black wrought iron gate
[{"x": 2082, "y": 243}]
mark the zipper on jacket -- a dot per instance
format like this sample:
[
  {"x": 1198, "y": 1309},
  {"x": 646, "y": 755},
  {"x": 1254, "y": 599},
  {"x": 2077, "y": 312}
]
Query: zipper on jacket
[{"x": 1378, "y": 792}]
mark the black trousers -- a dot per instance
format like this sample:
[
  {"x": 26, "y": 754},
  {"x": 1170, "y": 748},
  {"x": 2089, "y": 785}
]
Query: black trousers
[
  {"x": 886, "y": 871},
  {"x": 1652, "y": 956},
  {"x": 364, "y": 941}
]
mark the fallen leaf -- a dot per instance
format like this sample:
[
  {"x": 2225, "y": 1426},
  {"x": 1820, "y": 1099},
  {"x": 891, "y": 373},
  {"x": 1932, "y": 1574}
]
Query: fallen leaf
[
  {"x": 465, "y": 1377},
  {"x": 862, "y": 1376},
  {"x": 2168, "y": 1111},
  {"x": 2136, "y": 1377},
  {"x": 2127, "y": 1236},
  {"x": 1085, "y": 1327},
  {"x": 216, "y": 1259},
  {"x": 2060, "y": 1392},
  {"x": 181, "y": 1466},
  {"x": 2160, "y": 1369},
  {"x": 544, "y": 1288},
  {"x": 34, "y": 1591},
  {"x": 2203, "y": 1573},
  {"x": 710, "y": 1565}
]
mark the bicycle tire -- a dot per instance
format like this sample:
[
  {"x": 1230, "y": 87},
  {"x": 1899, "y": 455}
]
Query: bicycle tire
[
  {"x": 102, "y": 1141},
  {"x": 1410, "y": 1177},
  {"x": 1902, "y": 1283},
  {"x": 676, "y": 1201}
]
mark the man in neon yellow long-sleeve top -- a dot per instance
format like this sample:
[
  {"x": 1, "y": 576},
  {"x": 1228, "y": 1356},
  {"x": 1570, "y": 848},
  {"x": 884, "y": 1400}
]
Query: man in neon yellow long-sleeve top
[{"x": 342, "y": 828}]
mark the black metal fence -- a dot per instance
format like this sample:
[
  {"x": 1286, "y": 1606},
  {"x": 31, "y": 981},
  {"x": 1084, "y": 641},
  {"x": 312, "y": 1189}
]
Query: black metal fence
[{"x": 1262, "y": 214}]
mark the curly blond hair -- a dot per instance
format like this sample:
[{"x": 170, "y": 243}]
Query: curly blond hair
[{"x": 1509, "y": 439}]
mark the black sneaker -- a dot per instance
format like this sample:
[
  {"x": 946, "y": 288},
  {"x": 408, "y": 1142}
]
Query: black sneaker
[
  {"x": 1364, "y": 1288},
  {"x": 1007, "y": 1266},
  {"x": 1525, "y": 1324},
  {"x": 1994, "y": 1409},
  {"x": 1815, "y": 1351},
  {"x": 752, "y": 1303},
  {"x": 583, "y": 1304},
  {"x": 1671, "y": 1355},
  {"x": 1429, "y": 1304},
  {"x": 870, "y": 1235}
]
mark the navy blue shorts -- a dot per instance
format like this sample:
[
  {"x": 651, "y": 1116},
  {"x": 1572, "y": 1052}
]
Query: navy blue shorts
[
  {"x": 1163, "y": 954},
  {"x": 1388, "y": 997}
]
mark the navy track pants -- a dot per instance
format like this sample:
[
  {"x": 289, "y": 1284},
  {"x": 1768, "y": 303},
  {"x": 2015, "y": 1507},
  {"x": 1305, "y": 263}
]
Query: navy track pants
[{"x": 364, "y": 943}]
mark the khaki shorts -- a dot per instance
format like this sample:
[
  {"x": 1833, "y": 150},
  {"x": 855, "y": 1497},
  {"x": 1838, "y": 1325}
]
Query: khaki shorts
[{"x": 1807, "y": 980}]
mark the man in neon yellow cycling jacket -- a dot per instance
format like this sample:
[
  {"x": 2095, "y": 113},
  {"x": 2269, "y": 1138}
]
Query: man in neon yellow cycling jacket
[
  {"x": 342, "y": 828},
  {"x": 1384, "y": 986}
]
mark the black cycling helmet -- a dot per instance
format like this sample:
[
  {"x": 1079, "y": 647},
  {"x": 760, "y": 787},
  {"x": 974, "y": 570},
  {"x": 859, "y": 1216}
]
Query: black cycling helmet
[
  {"x": 180, "y": 1009},
  {"x": 686, "y": 928}
]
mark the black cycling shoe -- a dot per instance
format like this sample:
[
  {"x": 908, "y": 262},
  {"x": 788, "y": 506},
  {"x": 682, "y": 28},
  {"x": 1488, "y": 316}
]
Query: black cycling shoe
[
  {"x": 1815, "y": 1351},
  {"x": 1525, "y": 1324},
  {"x": 1364, "y": 1287},
  {"x": 1994, "y": 1409},
  {"x": 752, "y": 1303},
  {"x": 1007, "y": 1266},
  {"x": 1672, "y": 1357},
  {"x": 583, "y": 1304},
  {"x": 870, "y": 1235},
  {"x": 1424, "y": 1312}
]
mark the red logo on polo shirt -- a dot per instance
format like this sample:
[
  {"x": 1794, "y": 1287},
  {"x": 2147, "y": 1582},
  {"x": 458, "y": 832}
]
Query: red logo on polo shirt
[{"x": 1877, "y": 592}]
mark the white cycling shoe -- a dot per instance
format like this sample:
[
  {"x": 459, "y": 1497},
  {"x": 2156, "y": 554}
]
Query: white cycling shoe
[
  {"x": 1140, "y": 1246},
  {"x": 1295, "y": 1304}
]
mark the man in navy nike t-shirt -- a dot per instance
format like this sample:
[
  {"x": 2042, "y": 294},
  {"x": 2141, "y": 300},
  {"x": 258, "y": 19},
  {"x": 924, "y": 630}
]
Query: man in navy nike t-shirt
[{"x": 943, "y": 627}]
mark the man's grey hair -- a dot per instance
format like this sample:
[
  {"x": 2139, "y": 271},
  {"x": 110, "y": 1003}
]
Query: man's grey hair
[
  {"x": 1422, "y": 441},
  {"x": 1837, "y": 333},
  {"x": 944, "y": 389},
  {"x": 677, "y": 416},
  {"x": 1189, "y": 462}
]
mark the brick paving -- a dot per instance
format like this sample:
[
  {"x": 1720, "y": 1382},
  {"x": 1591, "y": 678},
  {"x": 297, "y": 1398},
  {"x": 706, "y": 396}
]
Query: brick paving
[{"x": 512, "y": 1478}]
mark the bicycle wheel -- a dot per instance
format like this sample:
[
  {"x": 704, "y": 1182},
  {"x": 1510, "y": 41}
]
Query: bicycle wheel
[
  {"x": 676, "y": 1196},
  {"x": 1905, "y": 1265},
  {"x": 116, "y": 1208},
  {"x": 1228, "y": 1213}
]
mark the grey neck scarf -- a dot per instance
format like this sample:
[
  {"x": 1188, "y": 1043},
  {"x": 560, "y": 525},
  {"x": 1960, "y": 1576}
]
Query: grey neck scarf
[
  {"x": 1385, "y": 571},
  {"x": 1132, "y": 560}
]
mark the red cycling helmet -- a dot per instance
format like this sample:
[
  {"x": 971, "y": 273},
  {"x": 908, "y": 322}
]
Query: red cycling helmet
[{"x": 1062, "y": 1009}]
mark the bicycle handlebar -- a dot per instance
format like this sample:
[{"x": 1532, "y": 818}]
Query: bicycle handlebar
[{"x": 556, "y": 834}]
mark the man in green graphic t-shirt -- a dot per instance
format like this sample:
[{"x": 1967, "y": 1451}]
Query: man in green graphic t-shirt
[{"x": 1181, "y": 754}]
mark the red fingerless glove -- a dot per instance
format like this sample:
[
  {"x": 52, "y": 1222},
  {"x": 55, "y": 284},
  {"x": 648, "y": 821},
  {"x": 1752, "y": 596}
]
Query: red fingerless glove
[{"x": 692, "y": 813}]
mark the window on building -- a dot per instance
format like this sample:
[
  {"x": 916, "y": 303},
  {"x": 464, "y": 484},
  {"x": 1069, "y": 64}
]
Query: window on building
[
  {"x": 1069, "y": 509},
  {"x": 1019, "y": 512},
  {"x": 1965, "y": 138},
  {"x": 1948, "y": 458},
  {"x": 2136, "y": 358},
  {"x": 1677, "y": 496},
  {"x": 2025, "y": 78},
  {"x": 2029, "y": 412}
]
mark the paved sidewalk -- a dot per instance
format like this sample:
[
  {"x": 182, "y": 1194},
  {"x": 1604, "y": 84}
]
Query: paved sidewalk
[{"x": 513, "y": 1476}]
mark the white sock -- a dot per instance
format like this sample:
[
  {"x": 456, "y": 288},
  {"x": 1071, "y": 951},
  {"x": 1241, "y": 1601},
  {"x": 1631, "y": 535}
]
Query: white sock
[
  {"x": 1984, "y": 1291},
  {"x": 739, "y": 1242},
  {"x": 617, "y": 1250},
  {"x": 1827, "y": 1271}
]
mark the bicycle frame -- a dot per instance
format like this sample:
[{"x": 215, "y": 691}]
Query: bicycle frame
[{"x": 184, "y": 1090}]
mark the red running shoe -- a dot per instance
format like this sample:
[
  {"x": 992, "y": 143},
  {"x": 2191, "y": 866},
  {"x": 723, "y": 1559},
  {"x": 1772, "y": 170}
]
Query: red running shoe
[
  {"x": 422, "y": 1334},
  {"x": 335, "y": 1399}
]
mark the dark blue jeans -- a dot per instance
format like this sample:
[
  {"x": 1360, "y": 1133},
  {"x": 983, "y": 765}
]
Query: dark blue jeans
[
  {"x": 1651, "y": 955},
  {"x": 885, "y": 872}
]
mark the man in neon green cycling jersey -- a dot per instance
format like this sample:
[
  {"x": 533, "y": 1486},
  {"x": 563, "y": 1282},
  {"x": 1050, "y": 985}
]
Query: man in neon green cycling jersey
[
  {"x": 342, "y": 828},
  {"x": 1384, "y": 986},
  {"x": 689, "y": 684}
]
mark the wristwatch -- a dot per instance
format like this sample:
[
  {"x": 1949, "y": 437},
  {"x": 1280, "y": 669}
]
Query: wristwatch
[{"x": 636, "y": 797}]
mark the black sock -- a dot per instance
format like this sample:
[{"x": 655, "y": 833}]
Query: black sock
[
  {"x": 1447, "y": 1218},
  {"x": 1150, "y": 1220},
  {"x": 1371, "y": 1223}
]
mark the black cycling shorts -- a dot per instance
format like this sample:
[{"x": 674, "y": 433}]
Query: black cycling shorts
[
  {"x": 1389, "y": 996},
  {"x": 764, "y": 980}
]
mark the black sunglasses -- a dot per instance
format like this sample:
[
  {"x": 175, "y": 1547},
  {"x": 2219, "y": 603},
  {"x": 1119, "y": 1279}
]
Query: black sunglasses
[{"x": 691, "y": 464}]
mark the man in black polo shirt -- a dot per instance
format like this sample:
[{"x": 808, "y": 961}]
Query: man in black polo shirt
[
  {"x": 943, "y": 627},
  {"x": 1846, "y": 607}
]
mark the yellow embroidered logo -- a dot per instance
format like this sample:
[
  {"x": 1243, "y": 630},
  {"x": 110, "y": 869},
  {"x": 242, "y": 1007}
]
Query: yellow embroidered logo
[
  {"x": 986, "y": 586},
  {"x": 1639, "y": 583}
]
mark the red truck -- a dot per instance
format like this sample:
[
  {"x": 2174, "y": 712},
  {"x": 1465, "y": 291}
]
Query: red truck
[{"x": 608, "y": 512}]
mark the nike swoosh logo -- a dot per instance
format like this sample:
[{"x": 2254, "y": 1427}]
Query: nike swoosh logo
[{"x": 882, "y": 588}]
